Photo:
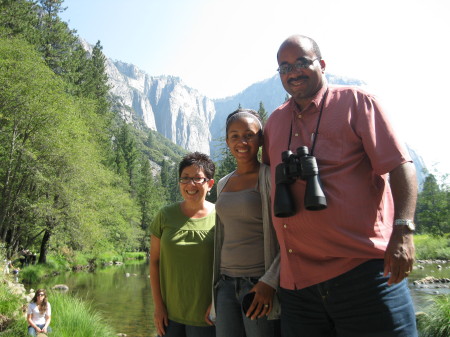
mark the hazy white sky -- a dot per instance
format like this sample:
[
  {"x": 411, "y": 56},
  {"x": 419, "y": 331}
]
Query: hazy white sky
[{"x": 220, "y": 47}]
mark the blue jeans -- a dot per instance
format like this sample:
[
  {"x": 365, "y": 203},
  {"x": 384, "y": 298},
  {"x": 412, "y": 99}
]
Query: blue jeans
[
  {"x": 175, "y": 329},
  {"x": 32, "y": 331},
  {"x": 358, "y": 303},
  {"x": 231, "y": 320}
]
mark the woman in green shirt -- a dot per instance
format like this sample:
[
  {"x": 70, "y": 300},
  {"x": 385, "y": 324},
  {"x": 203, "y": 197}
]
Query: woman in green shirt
[{"x": 181, "y": 254}]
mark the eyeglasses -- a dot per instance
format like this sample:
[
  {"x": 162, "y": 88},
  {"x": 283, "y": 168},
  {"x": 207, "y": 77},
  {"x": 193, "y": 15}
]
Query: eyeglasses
[
  {"x": 303, "y": 63},
  {"x": 41, "y": 294},
  {"x": 196, "y": 180}
]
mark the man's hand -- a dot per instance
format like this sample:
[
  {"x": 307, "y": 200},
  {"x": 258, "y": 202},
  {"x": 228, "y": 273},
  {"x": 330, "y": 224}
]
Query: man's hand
[{"x": 399, "y": 255}]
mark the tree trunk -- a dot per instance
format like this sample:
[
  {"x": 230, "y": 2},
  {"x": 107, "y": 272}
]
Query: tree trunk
[{"x": 44, "y": 246}]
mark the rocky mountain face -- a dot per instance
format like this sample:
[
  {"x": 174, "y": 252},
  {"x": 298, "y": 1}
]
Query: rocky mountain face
[
  {"x": 189, "y": 119},
  {"x": 165, "y": 105}
]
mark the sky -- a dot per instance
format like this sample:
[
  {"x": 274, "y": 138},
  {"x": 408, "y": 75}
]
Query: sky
[{"x": 220, "y": 47}]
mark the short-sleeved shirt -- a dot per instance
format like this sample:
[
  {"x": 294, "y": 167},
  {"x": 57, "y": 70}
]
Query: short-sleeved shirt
[
  {"x": 36, "y": 316},
  {"x": 355, "y": 149},
  {"x": 186, "y": 263}
]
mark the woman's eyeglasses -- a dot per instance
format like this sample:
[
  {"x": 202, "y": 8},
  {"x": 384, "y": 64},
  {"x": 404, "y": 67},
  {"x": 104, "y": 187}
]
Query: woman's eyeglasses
[{"x": 196, "y": 180}]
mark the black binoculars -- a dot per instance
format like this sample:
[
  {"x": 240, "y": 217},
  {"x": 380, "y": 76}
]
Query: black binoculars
[{"x": 293, "y": 166}]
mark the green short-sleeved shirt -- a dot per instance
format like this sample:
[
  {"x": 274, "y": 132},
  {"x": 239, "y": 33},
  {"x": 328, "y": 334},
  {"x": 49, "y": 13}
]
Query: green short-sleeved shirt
[{"x": 186, "y": 261}]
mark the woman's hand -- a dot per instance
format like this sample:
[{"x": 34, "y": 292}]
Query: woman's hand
[
  {"x": 262, "y": 302},
  {"x": 160, "y": 319},
  {"x": 207, "y": 319}
]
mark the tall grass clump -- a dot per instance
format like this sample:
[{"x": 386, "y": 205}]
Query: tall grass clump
[
  {"x": 107, "y": 257},
  {"x": 430, "y": 247},
  {"x": 12, "y": 322},
  {"x": 436, "y": 322},
  {"x": 134, "y": 255},
  {"x": 72, "y": 317}
]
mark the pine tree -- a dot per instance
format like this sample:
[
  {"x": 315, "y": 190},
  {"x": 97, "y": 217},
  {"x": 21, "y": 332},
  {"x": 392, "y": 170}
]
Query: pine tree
[
  {"x": 262, "y": 112},
  {"x": 19, "y": 18},
  {"x": 95, "y": 80},
  {"x": 432, "y": 213},
  {"x": 57, "y": 40}
]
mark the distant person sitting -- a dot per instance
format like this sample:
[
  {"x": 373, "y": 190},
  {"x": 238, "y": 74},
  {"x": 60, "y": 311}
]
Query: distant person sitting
[
  {"x": 8, "y": 264},
  {"x": 39, "y": 314}
]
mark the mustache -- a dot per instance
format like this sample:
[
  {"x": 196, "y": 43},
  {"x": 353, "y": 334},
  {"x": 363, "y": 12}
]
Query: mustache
[{"x": 299, "y": 78}]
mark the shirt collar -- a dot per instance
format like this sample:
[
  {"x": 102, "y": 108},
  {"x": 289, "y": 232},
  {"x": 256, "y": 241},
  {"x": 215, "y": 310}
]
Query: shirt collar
[{"x": 316, "y": 101}]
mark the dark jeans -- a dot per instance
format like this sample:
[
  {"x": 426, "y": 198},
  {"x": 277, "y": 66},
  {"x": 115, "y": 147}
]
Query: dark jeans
[
  {"x": 358, "y": 303},
  {"x": 175, "y": 329}
]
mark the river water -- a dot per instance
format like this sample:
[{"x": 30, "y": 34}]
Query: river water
[{"x": 122, "y": 294}]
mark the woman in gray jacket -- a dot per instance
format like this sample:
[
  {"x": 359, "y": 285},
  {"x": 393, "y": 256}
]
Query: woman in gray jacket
[{"x": 246, "y": 252}]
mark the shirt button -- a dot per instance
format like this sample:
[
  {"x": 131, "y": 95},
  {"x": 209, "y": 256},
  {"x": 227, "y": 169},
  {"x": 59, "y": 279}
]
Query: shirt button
[
  {"x": 299, "y": 116},
  {"x": 296, "y": 135},
  {"x": 285, "y": 226},
  {"x": 290, "y": 250}
]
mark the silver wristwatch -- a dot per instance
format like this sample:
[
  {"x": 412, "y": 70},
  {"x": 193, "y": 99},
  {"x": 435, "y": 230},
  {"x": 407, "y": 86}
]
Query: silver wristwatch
[{"x": 405, "y": 222}]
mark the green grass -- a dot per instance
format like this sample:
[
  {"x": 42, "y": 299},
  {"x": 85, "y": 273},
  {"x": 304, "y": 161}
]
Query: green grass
[
  {"x": 432, "y": 247},
  {"x": 134, "y": 255},
  {"x": 106, "y": 257},
  {"x": 436, "y": 322},
  {"x": 72, "y": 317}
]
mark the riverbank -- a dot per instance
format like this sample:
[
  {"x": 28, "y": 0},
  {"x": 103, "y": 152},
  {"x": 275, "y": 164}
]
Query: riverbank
[{"x": 71, "y": 317}]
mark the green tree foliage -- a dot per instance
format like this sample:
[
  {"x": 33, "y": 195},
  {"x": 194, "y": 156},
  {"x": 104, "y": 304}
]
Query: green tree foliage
[
  {"x": 432, "y": 212},
  {"x": 95, "y": 81},
  {"x": 18, "y": 18},
  {"x": 52, "y": 181},
  {"x": 151, "y": 195},
  {"x": 127, "y": 152},
  {"x": 57, "y": 41},
  {"x": 71, "y": 175}
]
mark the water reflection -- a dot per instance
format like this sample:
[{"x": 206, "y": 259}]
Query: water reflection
[
  {"x": 422, "y": 297},
  {"x": 126, "y": 302}
]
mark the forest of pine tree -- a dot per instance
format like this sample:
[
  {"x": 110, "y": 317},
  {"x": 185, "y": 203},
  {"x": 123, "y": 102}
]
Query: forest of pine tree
[{"x": 73, "y": 175}]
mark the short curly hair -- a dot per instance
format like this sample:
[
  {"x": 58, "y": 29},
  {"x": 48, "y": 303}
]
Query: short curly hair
[{"x": 200, "y": 160}]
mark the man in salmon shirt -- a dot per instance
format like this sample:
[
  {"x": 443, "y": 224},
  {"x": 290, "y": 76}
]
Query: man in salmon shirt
[{"x": 343, "y": 265}]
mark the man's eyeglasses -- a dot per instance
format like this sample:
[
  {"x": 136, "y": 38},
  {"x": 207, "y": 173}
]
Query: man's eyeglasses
[
  {"x": 300, "y": 64},
  {"x": 196, "y": 180}
]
